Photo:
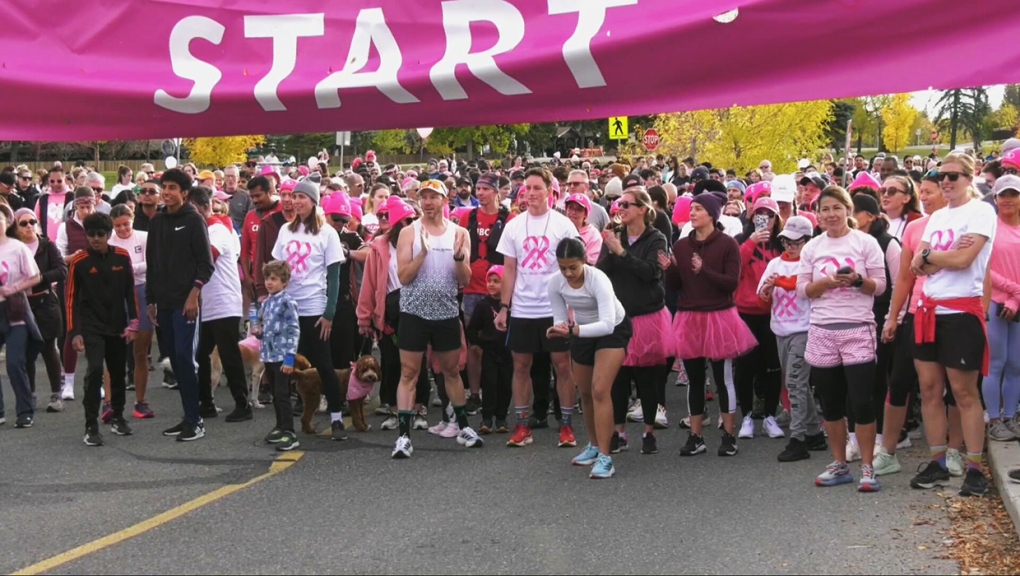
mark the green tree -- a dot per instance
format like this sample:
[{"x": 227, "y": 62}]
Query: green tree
[
  {"x": 963, "y": 109},
  {"x": 842, "y": 112}
]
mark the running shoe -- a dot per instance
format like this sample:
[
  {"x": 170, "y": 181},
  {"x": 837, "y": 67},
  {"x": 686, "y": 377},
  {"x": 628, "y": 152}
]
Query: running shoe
[
  {"x": 708, "y": 395},
  {"x": 886, "y": 463},
  {"x": 795, "y": 450},
  {"x": 603, "y": 468},
  {"x": 211, "y": 411},
  {"x": 288, "y": 441},
  {"x": 974, "y": 483},
  {"x": 435, "y": 430},
  {"x": 418, "y": 421},
  {"x": 143, "y": 411},
  {"x": 567, "y": 439},
  {"x": 537, "y": 423},
  {"x": 501, "y": 426},
  {"x": 56, "y": 404},
  {"x": 486, "y": 427},
  {"x": 783, "y": 418},
  {"x": 24, "y": 422},
  {"x": 176, "y": 429},
  {"x": 904, "y": 441},
  {"x": 587, "y": 457},
  {"x": 681, "y": 373},
  {"x": 685, "y": 423},
  {"x": 469, "y": 438},
  {"x": 92, "y": 436},
  {"x": 618, "y": 443},
  {"x": 816, "y": 443},
  {"x": 929, "y": 476},
  {"x": 955, "y": 463},
  {"x": 473, "y": 405},
  {"x": 452, "y": 430},
  {"x": 240, "y": 414},
  {"x": 999, "y": 432},
  {"x": 835, "y": 474},
  {"x": 746, "y": 428},
  {"x": 130, "y": 387},
  {"x": 402, "y": 449},
  {"x": 107, "y": 416},
  {"x": 169, "y": 380},
  {"x": 853, "y": 451},
  {"x": 3, "y": 420},
  {"x": 391, "y": 423},
  {"x": 1013, "y": 426},
  {"x": 337, "y": 431},
  {"x": 695, "y": 445},
  {"x": 120, "y": 427},
  {"x": 1014, "y": 475},
  {"x": 771, "y": 427},
  {"x": 384, "y": 410},
  {"x": 661, "y": 422},
  {"x": 636, "y": 413},
  {"x": 275, "y": 436},
  {"x": 728, "y": 446},
  {"x": 521, "y": 436},
  {"x": 868, "y": 482},
  {"x": 648, "y": 444},
  {"x": 191, "y": 432},
  {"x": 67, "y": 391}
]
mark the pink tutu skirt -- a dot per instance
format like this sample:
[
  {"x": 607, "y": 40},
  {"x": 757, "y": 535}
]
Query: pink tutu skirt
[
  {"x": 649, "y": 344},
  {"x": 715, "y": 335}
]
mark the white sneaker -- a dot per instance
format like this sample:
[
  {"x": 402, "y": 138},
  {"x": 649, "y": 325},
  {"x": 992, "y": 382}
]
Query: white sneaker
[
  {"x": 636, "y": 414},
  {"x": 383, "y": 410},
  {"x": 469, "y": 438},
  {"x": 67, "y": 390},
  {"x": 452, "y": 430},
  {"x": 660, "y": 417},
  {"x": 853, "y": 451},
  {"x": 390, "y": 423},
  {"x": 886, "y": 463},
  {"x": 102, "y": 393},
  {"x": 418, "y": 421},
  {"x": 771, "y": 427},
  {"x": 746, "y": 428},
  {"x": 905, "y": 444},
  {"x": 706, "y": 420},
  {"x": 402, "y": 449},
  {"x": 438, "y": 428},
  {"x": 954, "y": 463}
]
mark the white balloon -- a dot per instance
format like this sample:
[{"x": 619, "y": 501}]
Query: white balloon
[
  {"x": 424, "y": 132},
  {"x": 313, "y": 162},
  {"x": 170, "y": 162}
]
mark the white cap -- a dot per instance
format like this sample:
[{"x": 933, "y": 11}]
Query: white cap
[{"x": 784, "y": 188}]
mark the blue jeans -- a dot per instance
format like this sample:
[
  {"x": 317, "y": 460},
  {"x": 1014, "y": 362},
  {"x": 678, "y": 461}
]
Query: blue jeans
[
  {"x": 181, "y": 338},
  {"x": 16, "y": 340},
  {"x": 469, "y": 303},
  {"x": 1001, "y": 388}
]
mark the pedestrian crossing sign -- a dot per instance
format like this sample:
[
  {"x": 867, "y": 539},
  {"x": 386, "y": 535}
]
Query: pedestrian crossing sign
[{"x": 618, "y": 128}]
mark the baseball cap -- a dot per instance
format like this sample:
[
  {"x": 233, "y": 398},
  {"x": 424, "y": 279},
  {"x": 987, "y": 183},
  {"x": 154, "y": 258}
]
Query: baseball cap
[
  {"x": 699, "y": 173},
  {"x": 797, "y": 227},
  {"x": 1007, "y": 182},
  {"x": 632, "y": 180},
  {"x": 581, "y": 200},
  {"x": 866, "y": 203},
  {"x": 206, "y": 175},
  {"x": 813, "y": 178},
  {"x": 784, "y": 188},
  {"x": 766, "y": 203},
  {"x": 464, "y": 180}
]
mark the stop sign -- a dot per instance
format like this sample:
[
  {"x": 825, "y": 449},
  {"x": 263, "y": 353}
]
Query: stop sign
[{"x": 651, "y": 140}]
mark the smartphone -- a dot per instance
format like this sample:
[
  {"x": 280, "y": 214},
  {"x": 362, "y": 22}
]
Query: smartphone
[
  {"x": 761, "y": 222},
  {"x": 845, "y": 270}
]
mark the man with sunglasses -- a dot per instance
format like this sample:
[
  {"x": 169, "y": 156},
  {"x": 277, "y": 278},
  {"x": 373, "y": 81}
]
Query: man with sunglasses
[
  {"x": 578, "y": 183},
  {"x": 49, "y": 209},
  {"x": 26, "y": 188},
  {"x": 7, "y": 191},
  {"x": 147, "y": 201}
]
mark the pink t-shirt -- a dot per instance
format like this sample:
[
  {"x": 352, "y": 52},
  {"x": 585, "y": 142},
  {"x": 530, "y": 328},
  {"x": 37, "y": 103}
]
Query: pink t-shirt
[
  {"x": 1005, "y": 265},
  {"x": 912, "y": 240},
  {"x": 822, "y": 256},
  {"x": 54, "y": 214},
  {"x": 592, "y": 243}
]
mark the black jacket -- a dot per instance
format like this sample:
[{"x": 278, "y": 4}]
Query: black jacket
[
  {"x": 637, "y": 276},
  {"x": 177, "y": 256},
  {"x": 101, "y": 293},
  {"x": 41, "y": 297}
]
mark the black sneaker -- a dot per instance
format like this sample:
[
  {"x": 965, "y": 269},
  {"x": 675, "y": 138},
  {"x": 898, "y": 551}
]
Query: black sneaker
[
  {"x": 120, "y": 427},
  {"x": 129, "y": 387},
  {"x": 240, "y": 414},
  {"x": 486, "y": 427},
  {"x": 1014, "y": 475},
  {"x": 974, "y": 483},
  {"x": 649, "y": 445},
  {"x": 816, "y": 443},
  {"x": 338, "y": 434},
  {"x": 473, "y": 405},
  {"x": 795, "y": 450},
  {"x": 169, "y": 380},
  {"x": 536, "y": 423},
  {"x": 92, "y": 436},
  {"x": 176, "y": 430},
  {"x": 695, "y": 445},
  {"x": 299, "y": 406},
  {"x": 618, "y": 443},
  {"x": 24, "y": 422},
  {"x": 932, "y": 475},
  {"x": 208, "y": 411},
  {"x": 274, "y": 436},
  {"x": 191, "y": 432},
  {"x": 288, "y": 442},
  {"x": 501, "y": 426},
  {"x": 728, "y": 446}
]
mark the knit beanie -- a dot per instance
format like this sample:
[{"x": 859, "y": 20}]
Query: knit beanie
[
  {"x": 712, "y": 202},
  {"x": 309, "y": 189}
]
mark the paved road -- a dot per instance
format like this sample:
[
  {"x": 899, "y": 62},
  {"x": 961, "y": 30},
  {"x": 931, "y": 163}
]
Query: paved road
[{"x": 348, "y": 508}]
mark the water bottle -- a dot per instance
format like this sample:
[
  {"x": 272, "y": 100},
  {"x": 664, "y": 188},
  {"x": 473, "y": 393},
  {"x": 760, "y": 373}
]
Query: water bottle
[{"x": 253, "y": 318}]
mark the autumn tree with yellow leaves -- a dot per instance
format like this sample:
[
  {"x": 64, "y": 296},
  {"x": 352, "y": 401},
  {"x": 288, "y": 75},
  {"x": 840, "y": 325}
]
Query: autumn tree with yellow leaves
[
  {"x": 898, "y": 118},
  {"x": 222, "y": 150}
]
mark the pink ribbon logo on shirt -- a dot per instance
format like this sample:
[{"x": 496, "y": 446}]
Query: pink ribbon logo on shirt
[
  {"x": 536, "y": 249},
  {"x": 942, "y": 240},
  {"x": 5, "y": 272},
  {"x": 786, "y": 305},
  {"x": 836, "y": 265},
  {"x": 297, "y": 255}
]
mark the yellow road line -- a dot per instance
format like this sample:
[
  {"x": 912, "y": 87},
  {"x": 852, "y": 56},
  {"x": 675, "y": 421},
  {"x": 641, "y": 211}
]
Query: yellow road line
[{"x": 282, "y": 463}]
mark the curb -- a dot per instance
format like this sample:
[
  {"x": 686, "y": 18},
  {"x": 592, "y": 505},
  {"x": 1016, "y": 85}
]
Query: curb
[{"x": 1003, "y": 457}]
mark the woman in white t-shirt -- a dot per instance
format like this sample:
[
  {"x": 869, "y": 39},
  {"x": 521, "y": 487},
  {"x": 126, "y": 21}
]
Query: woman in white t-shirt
[
  {"x": 126, "y": 237},
  {"x": 900, "y": 203},
  {"x": 18, "y": 272},
  {"x": 375, "y": 200},
  {"x": 950, "y": 332},
  {"x": 312, "y": 250}
]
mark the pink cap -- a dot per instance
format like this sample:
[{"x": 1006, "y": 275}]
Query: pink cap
[
  {"x": 866, "y": 180},
  {"x": 614, "y": 207},
  {"x": 221, "y": 196},
  {"x": 766, "y": 203},
  {"x": 495, "y": 269},
  {"x": 356, "y": 213},
  {"x": 398, "y": 209},
  {"x": 288, "y": 185},
  {"x": 270, "y": 170},
  {"x": 757, "y": 189},
  {"x": 370, "y": 156},
  {"x": 407, "y": 182},
  {"x": 682, "y": 210},
  {"x": 337, "y": 203},
  {"x": 580, "y": 199},
  {"x": 1010, "y": 159},
  {"x": 303, "y": 170},
  {"x": 460, "y": 213}
]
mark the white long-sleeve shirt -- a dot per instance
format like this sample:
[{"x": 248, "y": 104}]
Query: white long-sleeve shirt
[{"x": 597, "y": 311}]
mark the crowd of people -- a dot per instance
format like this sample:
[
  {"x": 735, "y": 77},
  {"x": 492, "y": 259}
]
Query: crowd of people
[{"x": 831, "y": 300}]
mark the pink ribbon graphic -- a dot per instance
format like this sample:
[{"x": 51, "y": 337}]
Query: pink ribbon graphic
[
  {"x": 943, "y": 240},
  {"x": 786, "y": 305},
  {"x": 297, "y": 256},
  {"x": 536, "y": 247},
  {"x": 836, "y": 265},
  {"x": 5, "y": 273}
]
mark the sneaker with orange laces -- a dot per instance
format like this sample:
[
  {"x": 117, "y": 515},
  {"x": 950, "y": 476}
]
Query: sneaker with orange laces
[
  {"x": 567, "y": 437},
  {"x": 521, "y": 437}
]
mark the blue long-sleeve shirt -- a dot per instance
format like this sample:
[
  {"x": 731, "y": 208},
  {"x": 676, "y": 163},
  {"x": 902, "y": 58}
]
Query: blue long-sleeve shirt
[{"x": 280, "y": 328}]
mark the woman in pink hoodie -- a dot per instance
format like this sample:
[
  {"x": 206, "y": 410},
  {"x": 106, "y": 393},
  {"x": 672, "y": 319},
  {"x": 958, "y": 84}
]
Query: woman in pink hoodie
[{"x": 578, "y": 206}]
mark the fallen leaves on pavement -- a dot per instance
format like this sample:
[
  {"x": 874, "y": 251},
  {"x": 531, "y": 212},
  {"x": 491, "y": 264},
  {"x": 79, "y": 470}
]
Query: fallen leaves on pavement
[{"x": 983, "y": 538}]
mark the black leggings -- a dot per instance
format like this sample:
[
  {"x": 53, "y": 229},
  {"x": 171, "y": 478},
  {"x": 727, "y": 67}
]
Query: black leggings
[
  {"x": 344, "y": 340},
  {"x": 541, "y": 368},
  {"x": 648, "y": 380},
  {"x": 840, "y": 386},
  {"x": 722, "y": 371},
  {"x": 390, "y": 360},
  {"x": 758, "y": 371},
  {"x": 497, "y": 382},
  {"x": 222, "y": 335},
  {"x": 316, "y": 350},
  {"x": 281, "y": 396},
  {"x": 51, "y": 357},
  {"x": 883, "y": 364}
]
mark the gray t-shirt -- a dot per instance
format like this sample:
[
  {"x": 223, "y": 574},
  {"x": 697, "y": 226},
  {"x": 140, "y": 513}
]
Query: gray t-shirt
[{"x": 598, "y": 218}]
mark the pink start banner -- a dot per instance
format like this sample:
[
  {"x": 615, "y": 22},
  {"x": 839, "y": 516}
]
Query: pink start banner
[{"x": 123, "y": 69}]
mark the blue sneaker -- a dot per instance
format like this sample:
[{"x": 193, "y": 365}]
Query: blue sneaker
[
  {"x": 868, "y": 482},
  {"x": 586, "y": 458},
  {"x": 835, "y": 474},
  {"x": 603, "y": 468}
]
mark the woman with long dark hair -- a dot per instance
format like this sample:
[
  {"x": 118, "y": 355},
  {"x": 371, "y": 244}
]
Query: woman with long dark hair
[{"x": 900, "y": 203}]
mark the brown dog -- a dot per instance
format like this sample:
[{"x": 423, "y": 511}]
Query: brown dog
[
  {"x": 366, "y": 372},
  {"x": 249, "y": 348}
]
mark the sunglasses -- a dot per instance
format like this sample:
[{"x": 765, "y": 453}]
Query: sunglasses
[
  {"x": 892, "y": 191},
  {"x": 433, "y": 185},
  {"x": 573, "y": 184},
  {"x": 149, "y": 192},
  {"x": 339, "y": 218},
  {"x": 27, "y": 223},
  {"x": 55, "y": 181},
  {"x": 953, "y": 176},
  {"x": 1012, "y": 171},
  {"x": 96, "y": 233},
  {"x": 25, "y": 178},
  {"x": 623, "y": 204}
]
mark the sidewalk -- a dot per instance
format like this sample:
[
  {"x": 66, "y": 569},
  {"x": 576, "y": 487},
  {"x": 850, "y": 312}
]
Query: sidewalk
[{"x": 1003, "y": 457}]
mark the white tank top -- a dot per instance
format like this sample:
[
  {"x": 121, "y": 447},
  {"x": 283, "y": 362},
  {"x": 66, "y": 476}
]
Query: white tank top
[{"x": 432, "y": 295}]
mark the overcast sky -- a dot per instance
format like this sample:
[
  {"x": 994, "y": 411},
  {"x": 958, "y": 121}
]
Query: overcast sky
[{"x": 926, "y": 99}]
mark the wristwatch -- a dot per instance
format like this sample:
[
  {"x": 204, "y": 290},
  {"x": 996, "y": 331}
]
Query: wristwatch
[
  {"x": 858, "y": 282},
  {"x": 925, "y": 254}
]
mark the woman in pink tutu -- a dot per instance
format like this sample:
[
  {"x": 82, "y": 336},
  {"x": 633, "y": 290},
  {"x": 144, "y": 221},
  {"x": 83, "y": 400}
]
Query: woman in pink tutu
[
  {"x": 630, "y": 258},
  {"x": 705, "y": 270}
]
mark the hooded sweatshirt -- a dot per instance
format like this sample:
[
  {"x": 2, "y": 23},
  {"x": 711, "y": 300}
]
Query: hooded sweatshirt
[
  {"x": 178, "y": 257},
  {"x": 754, "y": 259}
]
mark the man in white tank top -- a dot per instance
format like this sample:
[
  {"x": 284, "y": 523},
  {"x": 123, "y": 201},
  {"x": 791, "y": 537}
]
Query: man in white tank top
[{"x": 432, "y": 266}]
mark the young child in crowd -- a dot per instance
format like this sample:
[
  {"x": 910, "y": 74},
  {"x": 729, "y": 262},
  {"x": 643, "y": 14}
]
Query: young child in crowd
[
  {"x": 497, "y": 364},
  {"x": 279, "y": 330}
]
